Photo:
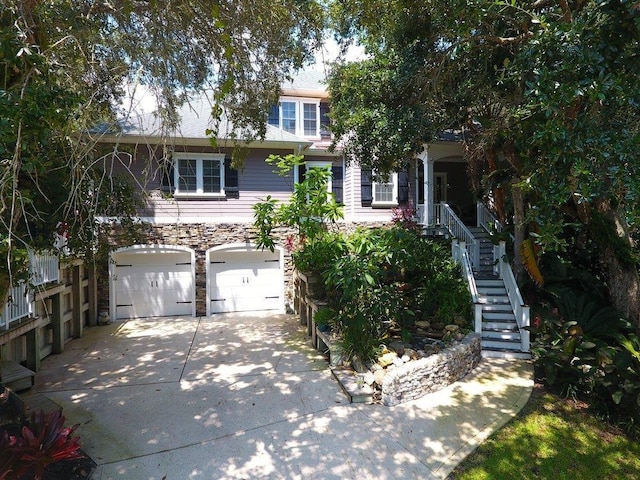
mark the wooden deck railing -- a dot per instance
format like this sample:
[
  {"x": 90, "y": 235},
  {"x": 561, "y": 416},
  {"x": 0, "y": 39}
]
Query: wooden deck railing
[
  {"x": 44, "y": 268},
  {"x": 18, "y": 306}
]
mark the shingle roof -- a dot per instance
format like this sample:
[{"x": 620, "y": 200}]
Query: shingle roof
[{"x": 194, "y": 120}]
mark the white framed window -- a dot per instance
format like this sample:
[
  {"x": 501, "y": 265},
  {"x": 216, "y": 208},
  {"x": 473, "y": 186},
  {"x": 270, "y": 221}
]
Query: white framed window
[
  {"x": 199, "y": 174},
  {"x": 288, "y": 116},
  {"x": 299, "y": 116},
  {"x": 310, "y": 119},
  {"x": 386, "y": 192}
]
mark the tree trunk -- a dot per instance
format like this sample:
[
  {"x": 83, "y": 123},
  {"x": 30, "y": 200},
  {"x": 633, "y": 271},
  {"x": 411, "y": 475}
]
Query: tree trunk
[
  {"x": 619, "y": 270},
  {"x": 518, "y": 228}
]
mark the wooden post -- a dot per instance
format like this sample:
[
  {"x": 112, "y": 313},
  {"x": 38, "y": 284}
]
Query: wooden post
[
  {"x": 93, "y": 295},
  {"x": 33, "y": 349},
  {"x": 77, "y": 301},
  {"x": 57, "y": 323}
]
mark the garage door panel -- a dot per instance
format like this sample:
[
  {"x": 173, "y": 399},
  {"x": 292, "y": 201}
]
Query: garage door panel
[
  {"x": 148, "y": 284},
  {"x": 151, "y": 259},
  {"x": 244, "y": 281},
  {"x": 143, "y": 309}
]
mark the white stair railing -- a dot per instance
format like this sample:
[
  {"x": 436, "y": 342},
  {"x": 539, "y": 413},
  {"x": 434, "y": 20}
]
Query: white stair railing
[
  {"x": 461, "y": 256},
  {"x": 520, "y": 310},
  {"x": 460, "y": 231},
  {"x": 487, "y": 220}
]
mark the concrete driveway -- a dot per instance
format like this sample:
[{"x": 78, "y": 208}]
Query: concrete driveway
[{"x": 244, "y": 396}]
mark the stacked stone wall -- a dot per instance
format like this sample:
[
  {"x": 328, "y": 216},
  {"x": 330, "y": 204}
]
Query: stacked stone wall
[{"x": 430, "y": 374}]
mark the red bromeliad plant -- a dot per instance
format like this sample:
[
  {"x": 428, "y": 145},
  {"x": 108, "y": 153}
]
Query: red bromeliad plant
[
  {"x": 45, "y": 440},
  {"x": 8, "y": 454}
]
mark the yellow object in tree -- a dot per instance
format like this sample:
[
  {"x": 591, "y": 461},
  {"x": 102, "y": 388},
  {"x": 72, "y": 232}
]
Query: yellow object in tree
[{"x": 530, "y": 261}]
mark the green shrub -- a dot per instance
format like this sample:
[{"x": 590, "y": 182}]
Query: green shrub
[
  {"x": 385, "y": 279},
  {"x": 585, "y": 348}
]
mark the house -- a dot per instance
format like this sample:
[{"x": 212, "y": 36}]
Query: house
[{"x": 199, "y": 256}]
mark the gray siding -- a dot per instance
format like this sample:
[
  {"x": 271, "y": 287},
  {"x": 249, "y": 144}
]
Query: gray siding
[{"x": 256, "y": 180}]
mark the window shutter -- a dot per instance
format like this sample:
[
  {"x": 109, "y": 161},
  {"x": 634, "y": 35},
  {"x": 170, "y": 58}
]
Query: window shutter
[
  {"x": 403, "y": 187},
  {"x": 231, "y": 188},
  {"x": 166, "y": 179},
  {"x": 337, "y": 182},
  {"x": 302, "y": 172},
  {"x": 366, "y": 188},
  {"x": 274, "y": 116},
  {"x": 324, "y": 121}
]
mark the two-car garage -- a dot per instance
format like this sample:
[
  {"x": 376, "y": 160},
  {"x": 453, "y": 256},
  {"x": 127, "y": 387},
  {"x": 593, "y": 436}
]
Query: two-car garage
[{"x": 160, "y": 280}]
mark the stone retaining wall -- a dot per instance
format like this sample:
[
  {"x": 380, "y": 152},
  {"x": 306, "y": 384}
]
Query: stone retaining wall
[{"x": 417, "y": 378}]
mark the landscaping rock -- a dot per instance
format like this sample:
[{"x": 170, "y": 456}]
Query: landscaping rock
[
  {"x": 378, "y": 376},
  {"x": 405, "y": 358},
  {"x": 387, "y": 359},
  {"x": 398, "y": 347},
  {"x": 452, "y": 328},
  {"x": 398, "y": 362},
  {"x": 423, "y": 324},
  {"x": 358, "y": 365},
  {"x": 411, "y": 353},
  {"x": 369, "y": 378},
  {"x": 374, "y": 367}
]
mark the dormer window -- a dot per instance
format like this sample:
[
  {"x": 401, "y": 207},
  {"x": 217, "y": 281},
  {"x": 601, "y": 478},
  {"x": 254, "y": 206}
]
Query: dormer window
[{"x": 298, "y": 116}]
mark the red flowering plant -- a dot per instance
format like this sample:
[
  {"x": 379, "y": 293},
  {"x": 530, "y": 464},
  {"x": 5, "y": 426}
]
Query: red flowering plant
[
  {"x": 43, "y": 441},
  {"x": 405, "y": 216}
]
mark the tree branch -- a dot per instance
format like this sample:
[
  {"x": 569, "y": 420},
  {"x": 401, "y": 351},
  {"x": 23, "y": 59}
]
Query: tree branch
[{"x": 505, "y": 40}]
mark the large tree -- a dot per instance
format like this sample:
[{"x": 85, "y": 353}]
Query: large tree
[
  {"x": 548, "y": 92},
  {"x": 64, "y": 66}
]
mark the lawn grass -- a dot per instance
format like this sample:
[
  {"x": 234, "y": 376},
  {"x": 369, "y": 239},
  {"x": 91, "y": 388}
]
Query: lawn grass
[{"x": 553, "y": 438}]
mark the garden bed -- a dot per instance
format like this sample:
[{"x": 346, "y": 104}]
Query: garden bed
[
  {"x": 400, "y": 376},
  {"x": 12, "y": 420},
  {"x": 405, "y": 370}
]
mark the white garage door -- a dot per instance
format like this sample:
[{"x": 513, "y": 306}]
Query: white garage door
[
  {"x": 245, "y": 280},
  {"x": 152, "y": 283}
]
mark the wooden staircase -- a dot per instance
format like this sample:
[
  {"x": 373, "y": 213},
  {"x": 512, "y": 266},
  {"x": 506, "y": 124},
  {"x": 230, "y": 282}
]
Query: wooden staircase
[
  {"x": 15, "y": 376},
  {"x": 499, "y": 307},
  {"x": 500, "y": 333}
]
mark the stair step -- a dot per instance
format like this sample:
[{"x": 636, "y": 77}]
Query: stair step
[
  {"x": 501, "y": 344},
  {"x": 506, "y": 316},
  {"x": 492, "y": 291},
  {"x": 496, "y": 307},
  {"x": 506, "y": 336},
  {"x": 494, "y": 300},
  {"x": 508, "y": 354},
  {"x": 15, "y": 376},
  {"x": 500, "y": 325},
  {"x": 489, "y": 283}
]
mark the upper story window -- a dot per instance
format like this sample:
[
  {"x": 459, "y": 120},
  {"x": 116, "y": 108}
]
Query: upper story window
[
  {"x": 299, "y": 116},
  {"x": 289, "y": 116},
  {"x": 199, "y": 174}
]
